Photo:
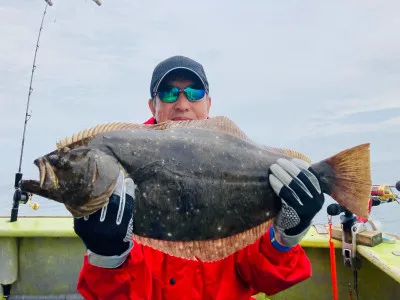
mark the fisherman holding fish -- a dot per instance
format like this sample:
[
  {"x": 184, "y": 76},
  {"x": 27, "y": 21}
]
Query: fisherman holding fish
[
  {"x": 186, "y": 206},
  {"x": 115, "y": 267}
]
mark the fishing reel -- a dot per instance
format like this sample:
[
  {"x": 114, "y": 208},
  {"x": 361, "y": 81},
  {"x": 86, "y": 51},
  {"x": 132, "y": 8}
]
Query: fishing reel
[
  {"x": 24, "y": 197},
  {"x": 21, "y": 197},
  {"x": 350, "y": 227}
]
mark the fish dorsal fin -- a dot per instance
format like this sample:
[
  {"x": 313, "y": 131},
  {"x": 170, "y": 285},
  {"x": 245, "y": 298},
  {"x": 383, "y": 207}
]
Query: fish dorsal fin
[
  {"x": 221, "y": 124},
  {"x": 289, "y": 152},
  {"x": 94, "y": 130},
  {"x": 225, "y": 125},
  {"x": 217, "y": 124}
]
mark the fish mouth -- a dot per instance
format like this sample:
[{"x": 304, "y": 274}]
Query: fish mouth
[{"x": 48, "y": 178}]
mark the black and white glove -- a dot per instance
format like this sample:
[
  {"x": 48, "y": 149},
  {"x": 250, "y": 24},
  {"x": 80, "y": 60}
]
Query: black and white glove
[
  {"x": 107, "y": 233},
  {"x": 297, "y": 185}
]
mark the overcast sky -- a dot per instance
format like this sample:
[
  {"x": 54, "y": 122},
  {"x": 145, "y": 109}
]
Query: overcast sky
[{"x": 318, "y": 77}]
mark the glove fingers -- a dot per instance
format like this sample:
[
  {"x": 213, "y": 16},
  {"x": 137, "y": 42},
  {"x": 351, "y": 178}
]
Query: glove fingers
[
  {"x": 103, "y": 213},
  {"x": 298, "y": 177},
  {"x": 119, "y": 185},
  {"x": 130, "y": 187},
  {"x": 312, "y": 183},
  {"x": 116, "y": 199},
  {"x": 113, "y": 208},
  {"x": 127, "y": 214},
  {"x": 116, "y": 205},
  {"x": 124, "y": 192},
  {"x": 282, "y": 189},
  {"x": 121, "y": 205},
  {"x": 125, "y": 210},
  {"x": 304, "y": 182},
  {"x": 288, "y": 174},
  {"x": 94, "y": 216},
  {"x": 108, "y": 229}
]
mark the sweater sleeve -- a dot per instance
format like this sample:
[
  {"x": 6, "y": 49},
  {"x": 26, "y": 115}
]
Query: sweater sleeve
[{"x": 269, "y": 270}]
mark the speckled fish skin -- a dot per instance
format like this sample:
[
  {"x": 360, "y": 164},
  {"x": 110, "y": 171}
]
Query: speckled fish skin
[
  {"x": 193, "y": 184},
  {"x": 202, "y": 187}
]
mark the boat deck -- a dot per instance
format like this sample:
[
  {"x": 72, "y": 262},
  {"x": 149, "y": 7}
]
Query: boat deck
[
  {"x": 32, "y": 242},
  {"x": 381, "y": 255}
]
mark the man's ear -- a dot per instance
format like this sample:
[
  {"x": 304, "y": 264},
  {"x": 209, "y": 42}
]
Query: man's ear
[
  {"x": 208, "y": 105},
  {"x": 152, "y": 107}
]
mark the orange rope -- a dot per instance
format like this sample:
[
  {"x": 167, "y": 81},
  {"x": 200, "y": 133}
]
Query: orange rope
[{"x": 333, "y": 264}]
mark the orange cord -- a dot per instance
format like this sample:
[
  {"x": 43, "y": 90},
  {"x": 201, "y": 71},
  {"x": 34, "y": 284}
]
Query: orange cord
[{"x": 333, "y": 263}]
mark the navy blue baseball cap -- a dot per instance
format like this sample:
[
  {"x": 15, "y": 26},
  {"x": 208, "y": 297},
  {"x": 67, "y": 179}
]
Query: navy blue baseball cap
[{"x": 175, "y": 63}]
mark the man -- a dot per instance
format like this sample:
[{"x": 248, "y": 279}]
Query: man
[{"x": 115, "y": 267}]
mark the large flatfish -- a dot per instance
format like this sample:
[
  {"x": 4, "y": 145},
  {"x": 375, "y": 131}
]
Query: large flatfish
[{"x": 202, "y": 188}]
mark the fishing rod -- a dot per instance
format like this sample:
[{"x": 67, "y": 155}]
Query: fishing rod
[
  {"x": 19, "y": 195},
  {"x": 49, "y": 2}
]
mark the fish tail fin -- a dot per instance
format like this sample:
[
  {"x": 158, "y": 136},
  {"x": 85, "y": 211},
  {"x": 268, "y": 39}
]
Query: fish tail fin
[{"x": 349, "y": 178}]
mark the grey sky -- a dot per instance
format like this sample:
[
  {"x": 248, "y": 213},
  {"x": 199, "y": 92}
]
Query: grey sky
[{"x": 314, "y": 76}]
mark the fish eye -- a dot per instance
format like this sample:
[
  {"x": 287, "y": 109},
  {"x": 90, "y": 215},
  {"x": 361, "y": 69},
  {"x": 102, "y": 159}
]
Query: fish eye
[
  {"x": 53, "y": 158},
  {"x": 79, "y": 153},
  {"x": 64, "y": 163},
  {"x": 66, "y": 149}
]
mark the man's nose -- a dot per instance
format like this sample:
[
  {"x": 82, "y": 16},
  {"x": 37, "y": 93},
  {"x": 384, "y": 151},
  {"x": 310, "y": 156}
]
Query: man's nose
[{"x": 182, "y": 103}]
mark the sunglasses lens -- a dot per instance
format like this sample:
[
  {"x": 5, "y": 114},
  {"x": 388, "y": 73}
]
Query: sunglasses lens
[
  {"x": 194, "y": 94},
  {"x": 169, "y": 96},
  {"x": 172, "y": 94}
]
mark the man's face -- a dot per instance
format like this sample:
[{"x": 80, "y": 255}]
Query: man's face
[{"x": 182, "y": 108}]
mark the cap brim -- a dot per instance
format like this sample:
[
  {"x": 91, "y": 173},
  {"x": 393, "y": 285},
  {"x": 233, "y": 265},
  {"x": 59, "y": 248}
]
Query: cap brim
[{"x": 179, "y": 68}]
